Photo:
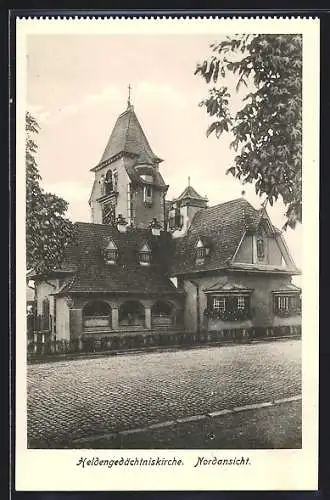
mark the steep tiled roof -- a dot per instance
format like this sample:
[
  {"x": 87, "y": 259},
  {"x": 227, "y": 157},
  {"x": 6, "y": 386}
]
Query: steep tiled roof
[
  {"x": 144, "y": 159},
  {"x": 128, "y": 136},
  {"x": 223, "y": 226},
  {"x": 191, "y": 193},
  {"x": 94, "y": 275}
]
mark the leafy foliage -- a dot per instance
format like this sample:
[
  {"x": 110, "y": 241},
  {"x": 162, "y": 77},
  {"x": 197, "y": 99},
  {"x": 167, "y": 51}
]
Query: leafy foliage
[
  {"x": 267, "y": 129},
  {"x": 48, "y": 232}
]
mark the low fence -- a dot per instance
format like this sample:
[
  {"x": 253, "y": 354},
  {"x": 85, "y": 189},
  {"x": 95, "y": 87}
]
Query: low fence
[{"x": 44, "y": 345}]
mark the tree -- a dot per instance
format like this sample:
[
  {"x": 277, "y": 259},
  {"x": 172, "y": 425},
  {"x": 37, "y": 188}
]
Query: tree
[
  {"x": 267, "y": 129},
  {"x": 48, "y": 232}
]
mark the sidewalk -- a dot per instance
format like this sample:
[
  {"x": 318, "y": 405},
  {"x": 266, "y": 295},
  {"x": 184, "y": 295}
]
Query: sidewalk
[
  {"x": 50, "y": 358},
  {"x": 268, "y": 427}
]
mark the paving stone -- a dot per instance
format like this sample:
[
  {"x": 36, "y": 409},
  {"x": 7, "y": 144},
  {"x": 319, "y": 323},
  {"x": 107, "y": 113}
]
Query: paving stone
[{"x": 88, "y": 397}]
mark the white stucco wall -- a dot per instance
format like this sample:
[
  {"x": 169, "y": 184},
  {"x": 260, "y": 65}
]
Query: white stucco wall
[
  {"x": 62, "y": 319},
  {"x": 123, "y": 180}
]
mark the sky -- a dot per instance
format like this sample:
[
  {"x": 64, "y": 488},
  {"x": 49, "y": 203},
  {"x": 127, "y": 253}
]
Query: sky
[{"x": 77, "y": 85}]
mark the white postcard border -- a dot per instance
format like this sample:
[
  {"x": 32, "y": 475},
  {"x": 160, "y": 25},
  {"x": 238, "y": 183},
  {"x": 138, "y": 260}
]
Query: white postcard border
[{"x": 56, "y": 470}]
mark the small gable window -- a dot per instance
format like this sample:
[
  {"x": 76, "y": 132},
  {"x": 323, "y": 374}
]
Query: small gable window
[
  {"x": 202, "y": 250},
  {"x": 147, "y": 195},
  {"x": 200, "y": 254},
  {"x": 111, "y": 253},
  {"x": 145, "y": 255},
  {"x": 260, "y": 247}
]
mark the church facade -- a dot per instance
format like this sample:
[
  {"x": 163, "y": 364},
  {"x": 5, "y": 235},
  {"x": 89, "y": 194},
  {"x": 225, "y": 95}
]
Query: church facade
[{"x": 148, "y": 265}]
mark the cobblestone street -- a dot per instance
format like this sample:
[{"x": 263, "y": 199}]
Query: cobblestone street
[{"x": 69, "y": 400}]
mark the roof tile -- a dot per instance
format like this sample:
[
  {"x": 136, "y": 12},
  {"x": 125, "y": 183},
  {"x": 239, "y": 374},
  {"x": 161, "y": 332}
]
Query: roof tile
[
  {"x": 222, "y": 226},
  {"x": 93, "y": 274},
  {"x": 127, "y": 136}
]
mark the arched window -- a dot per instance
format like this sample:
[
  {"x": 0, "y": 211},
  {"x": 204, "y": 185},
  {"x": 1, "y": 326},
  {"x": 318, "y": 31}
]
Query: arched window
[
  {"x": 96, "y": 308},
  {"x": 96, "y": 316},
  {"x": 131, "y": 313},
  {"x": 108, "y": 182},
  {"x": 162, "y": 314},
  {"x": 145, "y": 255},
  {"x": 161, "y": 308}
]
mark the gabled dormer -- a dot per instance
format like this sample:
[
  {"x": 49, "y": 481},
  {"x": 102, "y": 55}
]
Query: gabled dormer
[
  {"x": 110, "y": 252},
  {"x": 144, "y": 255},
  {"x": 202, "y": 250},
  {"x": 262, "y": 245}
]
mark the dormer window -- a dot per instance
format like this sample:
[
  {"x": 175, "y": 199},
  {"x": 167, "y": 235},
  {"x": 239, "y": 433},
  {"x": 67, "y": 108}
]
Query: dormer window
[
  {"x": 111, "y": 253},
  {"x": 201, "y": 253},
  {"x": 145, "y": 255},
  {"x": 202, "y": 250},
  {"x": 147, "y": 195}
]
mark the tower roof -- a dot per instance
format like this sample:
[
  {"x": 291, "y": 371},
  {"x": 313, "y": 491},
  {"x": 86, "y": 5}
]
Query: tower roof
[
  {"x": 127, "y": 136},
  {"x": 190, "y": 193}
]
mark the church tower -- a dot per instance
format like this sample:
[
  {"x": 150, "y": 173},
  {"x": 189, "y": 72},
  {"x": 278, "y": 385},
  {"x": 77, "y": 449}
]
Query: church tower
[{"x": 127, "y": 179}]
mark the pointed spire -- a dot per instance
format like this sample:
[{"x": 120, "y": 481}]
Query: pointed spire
[
  {"x": 129, "y": 96},
  {"x": 189, "y": 181},
  {"x": 127, "y": 136}
]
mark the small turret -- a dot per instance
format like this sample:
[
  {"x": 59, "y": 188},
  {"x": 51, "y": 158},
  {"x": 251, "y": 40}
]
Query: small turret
[{"x": 183, "y": 210}]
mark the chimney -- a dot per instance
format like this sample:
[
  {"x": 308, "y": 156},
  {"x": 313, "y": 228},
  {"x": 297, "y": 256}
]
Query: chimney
[
  {"x": 121, "y": 224},
  {"x": 155, "y": 227}
]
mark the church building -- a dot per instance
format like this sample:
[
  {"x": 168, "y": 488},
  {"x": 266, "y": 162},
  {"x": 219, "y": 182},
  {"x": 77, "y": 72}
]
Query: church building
[{"x": 147, "y": 265}]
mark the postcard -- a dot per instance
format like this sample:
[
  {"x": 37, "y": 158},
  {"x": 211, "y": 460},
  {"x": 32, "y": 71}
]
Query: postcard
[{"x": 167, "y": 253}]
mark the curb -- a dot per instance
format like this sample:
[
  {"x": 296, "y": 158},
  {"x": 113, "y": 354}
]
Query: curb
[{"x": 192, "y": 418}]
